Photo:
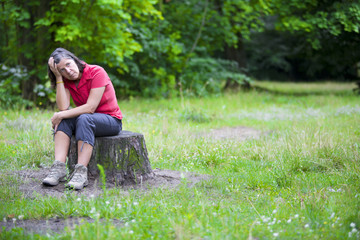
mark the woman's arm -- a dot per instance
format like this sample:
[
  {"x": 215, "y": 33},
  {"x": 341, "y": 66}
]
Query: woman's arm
[
  {"x": 89, "y": 107},
  {"x": 62, "y": 94}
]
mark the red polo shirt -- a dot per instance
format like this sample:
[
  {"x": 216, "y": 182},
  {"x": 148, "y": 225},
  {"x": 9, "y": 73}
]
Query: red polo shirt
[{"x": 95, "y": 76}]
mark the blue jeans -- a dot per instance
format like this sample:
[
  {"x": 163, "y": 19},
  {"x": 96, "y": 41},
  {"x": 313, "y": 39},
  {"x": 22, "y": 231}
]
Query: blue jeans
[{"x": 88, "y": 126}]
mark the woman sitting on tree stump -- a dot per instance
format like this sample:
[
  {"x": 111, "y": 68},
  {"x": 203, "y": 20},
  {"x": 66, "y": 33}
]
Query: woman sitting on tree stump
[{"x": 96, "y": 113}]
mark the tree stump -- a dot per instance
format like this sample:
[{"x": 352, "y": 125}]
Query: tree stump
[{"x": 124, "y": 158}]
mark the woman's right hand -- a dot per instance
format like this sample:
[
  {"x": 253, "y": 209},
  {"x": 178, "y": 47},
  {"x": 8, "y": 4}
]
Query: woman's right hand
[{"x": 53, "y": 67}]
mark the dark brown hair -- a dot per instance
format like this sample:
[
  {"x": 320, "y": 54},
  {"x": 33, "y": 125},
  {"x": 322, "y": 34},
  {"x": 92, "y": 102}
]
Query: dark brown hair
[{"x": 58, "y": 55}]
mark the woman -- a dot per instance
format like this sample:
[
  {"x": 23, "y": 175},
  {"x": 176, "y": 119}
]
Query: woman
[{"x": 96, "y": 113}]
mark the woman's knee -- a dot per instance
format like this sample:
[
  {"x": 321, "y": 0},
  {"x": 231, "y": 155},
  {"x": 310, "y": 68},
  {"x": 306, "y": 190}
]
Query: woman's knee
[
  {"x": 67, "y": 126},
  {"x": 85, "y": 128}
]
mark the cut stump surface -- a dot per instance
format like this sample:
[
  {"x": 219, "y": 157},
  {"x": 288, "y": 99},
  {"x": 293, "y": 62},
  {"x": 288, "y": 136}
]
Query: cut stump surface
[{"x": 124, "y": 157}]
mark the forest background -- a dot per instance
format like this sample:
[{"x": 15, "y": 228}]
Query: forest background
[{"x": 173, "y": 48}]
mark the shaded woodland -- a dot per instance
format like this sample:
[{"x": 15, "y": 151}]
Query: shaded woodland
[{"x": 176, "y": 48}]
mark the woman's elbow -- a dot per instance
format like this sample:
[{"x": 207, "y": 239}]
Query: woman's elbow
[
  {"x": 91, "y": 109},
  {"x": 63, "y": 108}
]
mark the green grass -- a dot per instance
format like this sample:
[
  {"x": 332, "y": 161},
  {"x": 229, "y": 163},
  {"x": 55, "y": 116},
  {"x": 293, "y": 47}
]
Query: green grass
[{"x": 301, "y": 181}]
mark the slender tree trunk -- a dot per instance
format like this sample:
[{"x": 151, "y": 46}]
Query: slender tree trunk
[
  {"x": 31, "y": 56},
  {"x": 5, "y": 26},
  {"x": 27, "y": 38},
  {"x": 230, "y": 52},
  {"x": 238, "y": 55}
]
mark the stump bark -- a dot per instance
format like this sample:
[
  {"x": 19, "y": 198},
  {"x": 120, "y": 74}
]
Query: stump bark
[{"x": 124, "y": 157}]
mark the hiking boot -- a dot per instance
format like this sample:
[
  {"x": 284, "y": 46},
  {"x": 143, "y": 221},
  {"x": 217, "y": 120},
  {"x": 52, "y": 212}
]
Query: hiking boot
[
  {"x": 56, "y": 175},
  {"x": 79, "y": 179}
]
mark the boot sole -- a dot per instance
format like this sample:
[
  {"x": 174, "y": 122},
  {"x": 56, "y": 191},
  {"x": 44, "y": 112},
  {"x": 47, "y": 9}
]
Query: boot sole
[
  {"x": 78, "y": 188},
  {"x": 63, "y": 179}
]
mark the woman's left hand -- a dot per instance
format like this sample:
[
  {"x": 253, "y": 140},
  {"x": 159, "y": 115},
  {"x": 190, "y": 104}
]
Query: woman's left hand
[{"x": 55, "y": 120}]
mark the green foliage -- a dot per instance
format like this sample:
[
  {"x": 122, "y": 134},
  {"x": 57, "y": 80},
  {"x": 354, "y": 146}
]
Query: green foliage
[
  {"x": 203, "y": 76},
  {"x": 316, "y": 18},
  {"x": 10, "y": 90},
  {"x": 178, "y": 52},
  {"x": 166, "y": 49},
  {"x": 287, "y": 56},
  {"x": 102, "y": 177},
  {"x": 107, "y": 39},
  {"x": 152, "y": 72},
  {"x": 306, "y": 40}
]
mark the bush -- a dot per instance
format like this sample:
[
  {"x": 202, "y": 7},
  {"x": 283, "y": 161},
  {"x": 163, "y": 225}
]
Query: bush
[
  {"x": 10, "y": 88},
  {"x": 204, "y": 76}
]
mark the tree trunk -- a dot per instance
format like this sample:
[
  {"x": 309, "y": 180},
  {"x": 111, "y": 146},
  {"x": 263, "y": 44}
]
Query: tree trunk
[
  {"x": 124, "y": 158},
  {"x": 230, "y": 52},
  {"x": 32, "y": 45},
  {"x": 238, "y": 55}
]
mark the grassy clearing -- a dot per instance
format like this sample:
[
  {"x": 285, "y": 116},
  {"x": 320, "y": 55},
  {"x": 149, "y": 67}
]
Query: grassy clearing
[{"x": 300, "y": 181}]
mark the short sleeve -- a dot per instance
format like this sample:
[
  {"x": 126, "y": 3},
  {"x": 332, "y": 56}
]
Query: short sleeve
[{"x": 99, "y": 78}]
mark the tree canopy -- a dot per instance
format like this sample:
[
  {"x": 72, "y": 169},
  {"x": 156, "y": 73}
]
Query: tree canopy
[{"x": 166, "y": 48}]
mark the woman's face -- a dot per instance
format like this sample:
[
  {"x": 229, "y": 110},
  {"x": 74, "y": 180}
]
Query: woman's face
[{"x": 68, "y": 69}]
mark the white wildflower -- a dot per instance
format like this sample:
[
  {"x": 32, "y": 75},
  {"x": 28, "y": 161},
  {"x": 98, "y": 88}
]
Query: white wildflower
[
  {"x": 289, "y": 221},
  {"x": 296, "y": 215},
  {"x": 92, "y": 195},
  {"x": 93, "y": 210},
  {"x": 107, "y": 202},
  {"x": 14, "y": 220},
  {"x": 21, "y": 217},
  {"x": 275, "y": 234},
  {"x": 265, "y": 219},
  {"x": 274, "y": 211},
  {"x": 354, "y": 230},
  {"x": 78, "y": 199},
  {"x": 4, "y": 219},
  {"x": 131, "y": 231},
  {"x": 332, "y": 215},
  {"x": 307, "y": 225},
  {"x": 136, "y": 203},
  {"x": 352, "y": 225},
  {"x": 133, "y": 220},
  {"x": 119, "y": 205}
]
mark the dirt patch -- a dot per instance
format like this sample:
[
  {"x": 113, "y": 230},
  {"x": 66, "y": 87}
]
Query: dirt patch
[
  {"x": 234, "y": 133},
  {"x": 31, "y": 186},
  {"x": 31, "y": 183},
  {"x": 52, "y": 225}
]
